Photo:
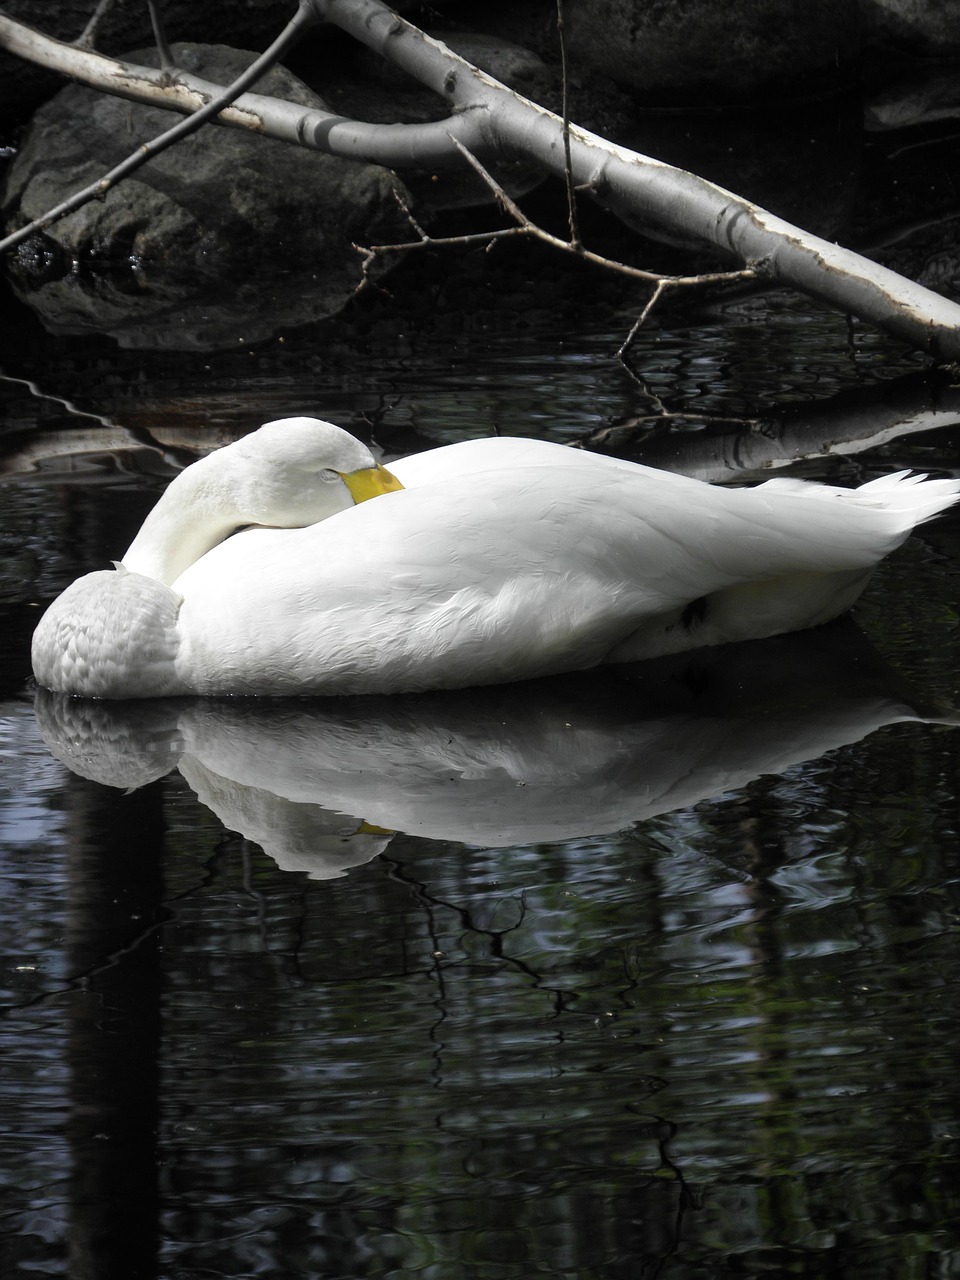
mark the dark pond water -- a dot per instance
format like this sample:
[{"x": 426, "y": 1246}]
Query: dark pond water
[{"x": 647, "y": 973}]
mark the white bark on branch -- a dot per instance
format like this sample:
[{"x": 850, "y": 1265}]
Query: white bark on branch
[{"x": 489, "y": 119}]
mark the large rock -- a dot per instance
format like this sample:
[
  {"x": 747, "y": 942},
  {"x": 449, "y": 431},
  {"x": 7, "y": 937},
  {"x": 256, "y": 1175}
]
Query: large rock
[
  {"x": 701, "y": 53},
  {"x": 219, "y": 195},
  {"x": 216, "y": 205}
]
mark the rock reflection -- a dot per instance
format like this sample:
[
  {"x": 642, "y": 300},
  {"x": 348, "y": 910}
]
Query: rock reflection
[
  {"x": 324, "y": 785},
  {"x": 146, "y": 310}
]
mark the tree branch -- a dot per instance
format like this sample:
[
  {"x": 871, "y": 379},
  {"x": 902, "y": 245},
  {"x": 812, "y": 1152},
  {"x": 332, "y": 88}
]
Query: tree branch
[
  {"x": 394, "y": 145},
  {"x": 489, "y": 119},
  {"x": 670, "y": 201}
]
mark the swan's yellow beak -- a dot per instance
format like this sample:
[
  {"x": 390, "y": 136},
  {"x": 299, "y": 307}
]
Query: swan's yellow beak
[
  {"x": 368, "y": 829},
  {"x": 370, "y": 482}
]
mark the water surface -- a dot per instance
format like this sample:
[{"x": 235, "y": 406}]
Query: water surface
[{"x": 645, "y": 973}]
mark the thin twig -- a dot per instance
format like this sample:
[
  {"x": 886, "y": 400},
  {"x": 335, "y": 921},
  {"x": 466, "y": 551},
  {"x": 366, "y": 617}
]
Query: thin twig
[
  {"x": 160, "y": 37},
  {"x": 664, "y": 283},
  {"x": 575, "y": 242},
  {"x": 638, "y": 323},
  {"x": 303, "y": 18},
  {"x": 424, "y": 240},
  {"x": 87, "y": 37},
  {"x": 408, "y": 214},
  {"x": 480, "y": 238}
]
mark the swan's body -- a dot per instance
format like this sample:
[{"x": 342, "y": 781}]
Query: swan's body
[{"x": 500, "y": 560}]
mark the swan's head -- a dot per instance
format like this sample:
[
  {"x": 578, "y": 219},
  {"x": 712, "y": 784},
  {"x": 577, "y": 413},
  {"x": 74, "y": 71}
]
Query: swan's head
[
  {"x": 289, "y": 474},
  {"x": 296, "y": 471}
]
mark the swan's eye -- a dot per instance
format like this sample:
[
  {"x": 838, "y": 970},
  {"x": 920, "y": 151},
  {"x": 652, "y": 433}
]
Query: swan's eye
[{"x": 327, "y": 474}]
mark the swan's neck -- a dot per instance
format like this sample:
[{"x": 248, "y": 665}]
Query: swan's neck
[{"x": 196, "y": 512}]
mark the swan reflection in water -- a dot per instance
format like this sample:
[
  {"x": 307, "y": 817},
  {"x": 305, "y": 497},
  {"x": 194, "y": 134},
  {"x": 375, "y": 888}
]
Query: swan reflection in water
[{"x": 323, "y": 785}]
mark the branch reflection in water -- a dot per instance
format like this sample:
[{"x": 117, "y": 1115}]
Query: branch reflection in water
[
  {"x": 853, "y": 421},
  {"x": 323, "y": 785}
]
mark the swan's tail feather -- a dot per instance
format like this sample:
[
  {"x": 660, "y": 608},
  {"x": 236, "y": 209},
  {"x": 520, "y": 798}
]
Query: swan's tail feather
[
  {"x": 911, "y": 492},
  {"x": 909, "y": 495}
]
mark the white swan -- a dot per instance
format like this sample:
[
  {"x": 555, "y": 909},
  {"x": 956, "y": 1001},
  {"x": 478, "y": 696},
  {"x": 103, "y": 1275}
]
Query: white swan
[{"x": 499, "y": 560}]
